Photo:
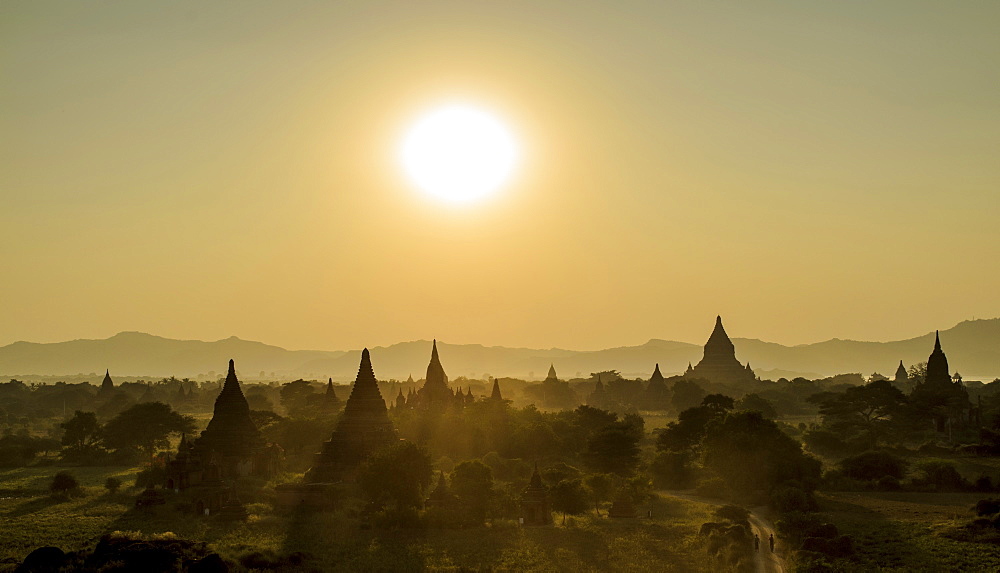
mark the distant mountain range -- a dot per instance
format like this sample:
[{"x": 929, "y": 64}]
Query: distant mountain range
[{"x": 973, "y": 348}]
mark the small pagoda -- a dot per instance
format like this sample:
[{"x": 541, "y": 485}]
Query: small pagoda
[
  {"x": 656, "y": 396},
  {"x": 535, "y": 506},
  {"x": 107, "y": 385}
]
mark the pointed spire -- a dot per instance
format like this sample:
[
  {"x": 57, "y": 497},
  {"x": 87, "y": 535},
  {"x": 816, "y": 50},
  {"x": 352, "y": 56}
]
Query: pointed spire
[
  {"x": 552, "y": 372},
  {"x": 656, "y": 377},
  {"x": 496, "y": 390},
  {"x": 937, "y": 364},
  {"x": 107, "y": 384},
  {"x": 365, "y": 395},
  {"x": 536, "y": 478}
]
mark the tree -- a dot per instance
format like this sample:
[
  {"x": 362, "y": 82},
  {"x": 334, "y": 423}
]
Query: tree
[
  {"x": 472, "y": 484},
  {"x": 686, "y": 394},
  {"x": 145, "y": 428},
  {"x": 601, "y": 487},
  {"x": 866, "y": 409},
  {"x": 751, "y": 453},
  {"x": 112, "y": 484},
  {"x": 686, "y": 433},
  {"x": 718, "y": 402},
  {"x": 397, "y": 476},
  {"x": 63, "y": 483},
  {"x": 569, "y": 497},
  {"x": 871, "y": 466},
  {"x": 672, "y": 469},
  {"x": 299, "y": 398},
  {"x": 81, "y": 435},
  {"x": 613, "y": 449},
  {"x": 758, "y": 403}
]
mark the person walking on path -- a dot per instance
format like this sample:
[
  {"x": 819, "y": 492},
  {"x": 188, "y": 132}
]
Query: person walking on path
[
  {"x": 770, "y": 539},
  {"x": 756, "y": 542}
]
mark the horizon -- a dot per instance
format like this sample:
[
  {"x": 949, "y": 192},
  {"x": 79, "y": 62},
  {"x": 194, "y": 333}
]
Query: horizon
[{"x": 443, "y": 341}]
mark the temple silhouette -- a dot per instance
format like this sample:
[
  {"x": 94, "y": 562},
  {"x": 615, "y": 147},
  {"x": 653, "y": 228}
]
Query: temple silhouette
[
  {"x": 719, "y": 363},
  {"x": 231, "y": 447},
  {"x": 363, "y": 429}
]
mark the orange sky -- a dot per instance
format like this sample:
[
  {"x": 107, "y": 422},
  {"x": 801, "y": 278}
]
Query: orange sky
[{"x": 807, "y": 172}]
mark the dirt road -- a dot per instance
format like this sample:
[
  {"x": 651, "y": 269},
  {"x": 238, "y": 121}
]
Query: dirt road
[{"x": 766, "y": 560}]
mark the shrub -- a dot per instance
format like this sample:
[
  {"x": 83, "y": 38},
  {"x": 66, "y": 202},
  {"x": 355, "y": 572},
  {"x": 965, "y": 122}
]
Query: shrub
[
  {"x": 942, "y": 475},
  {"x": 795, "y": 525},
  {"x": 987, "y": 507},
  {"x": 671, "y": 470},
  {"x": 112, "y": 484},
  {"x": 712, "y": 487},
  {"x": 871, "y": 466},
  {"x": 790, "y": 498},
  {"x": 824, "y": 442},
  {"x": 887, "y": 483},
  {"x": 63, "y": 483},
  {"x": 984, "y": 483},
  {"x": 151, "y": 476},
  {"x": 733, "y": 513}
]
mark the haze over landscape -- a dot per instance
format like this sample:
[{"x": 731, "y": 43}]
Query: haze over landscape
[
  {"x": 977, "y": 353},
  {"x": 528, "y": 285}
]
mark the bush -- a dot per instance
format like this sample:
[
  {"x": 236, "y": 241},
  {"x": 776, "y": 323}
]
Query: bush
[
  {"x": 733, "y": 513},
  {"x": 671, "y": 470},
  {"x": 987, "y": 507},
  {"x": 796, "y": 525},
  {"x": 888, "y": 483},
  {"x": 984, "y": 483},
  {"x": 824, "y": 442},
  {"x": 712, "y": 487},
  {"x": 942, "y": 475},
  {"x": 790, "y": 498},
  {"x": 63, "y": 483},
  {"x": 151, "y": 476},
  {"x": 871, "y": 466},
  {"x": 112, "y": 484}
]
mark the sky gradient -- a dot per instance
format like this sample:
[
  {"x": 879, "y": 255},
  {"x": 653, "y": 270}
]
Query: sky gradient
[{"x": 808, "y": 171}]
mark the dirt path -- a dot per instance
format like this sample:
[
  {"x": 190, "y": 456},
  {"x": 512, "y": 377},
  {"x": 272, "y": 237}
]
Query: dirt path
[{"x": 766, "y": 560}]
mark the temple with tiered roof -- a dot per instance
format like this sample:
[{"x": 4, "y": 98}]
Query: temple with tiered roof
[
  {"x": 363, "y": 429},
  {"x": 656, "y": 396},
  {"x": 719, "y": 363},
  {"x": 231, "y": 447}
]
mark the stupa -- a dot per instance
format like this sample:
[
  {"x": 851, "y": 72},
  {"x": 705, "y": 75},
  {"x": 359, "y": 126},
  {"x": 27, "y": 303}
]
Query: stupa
[
  {"x": 363, "y": 429},
  {"x": 535, "y": 507},
  {"x": 656, "y": 396},
  {"x": 719, "y": 363}
]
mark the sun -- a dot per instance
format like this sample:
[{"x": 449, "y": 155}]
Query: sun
[{"x": 459, "y": 153}]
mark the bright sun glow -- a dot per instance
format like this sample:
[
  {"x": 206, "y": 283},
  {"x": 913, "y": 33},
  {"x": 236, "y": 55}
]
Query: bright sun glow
[{"x": 459, "y": 153}]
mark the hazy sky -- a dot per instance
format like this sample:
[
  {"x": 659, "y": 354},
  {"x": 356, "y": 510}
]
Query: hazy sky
[{"x": 808, "y": 170}]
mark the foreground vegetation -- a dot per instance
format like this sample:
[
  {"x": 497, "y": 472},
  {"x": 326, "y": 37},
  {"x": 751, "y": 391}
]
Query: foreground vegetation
[{"x": 336, "y": 541}]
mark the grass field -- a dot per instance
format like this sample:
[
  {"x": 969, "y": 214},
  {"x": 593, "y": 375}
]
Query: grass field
[
  {"x": 901, "y": 531},
  {"x": 30, "y": 518}
]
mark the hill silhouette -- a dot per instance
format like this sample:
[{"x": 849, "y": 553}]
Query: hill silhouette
[{"x": 973, "y": 349}]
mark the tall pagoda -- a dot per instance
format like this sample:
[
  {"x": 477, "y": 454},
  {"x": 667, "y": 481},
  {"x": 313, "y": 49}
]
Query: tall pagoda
[
  {"x": 363, "y": 429},
  {"x": 719, "y": 363},
  {"x": 435, "y": 393},
  {"x": 230, "y": 447}
]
